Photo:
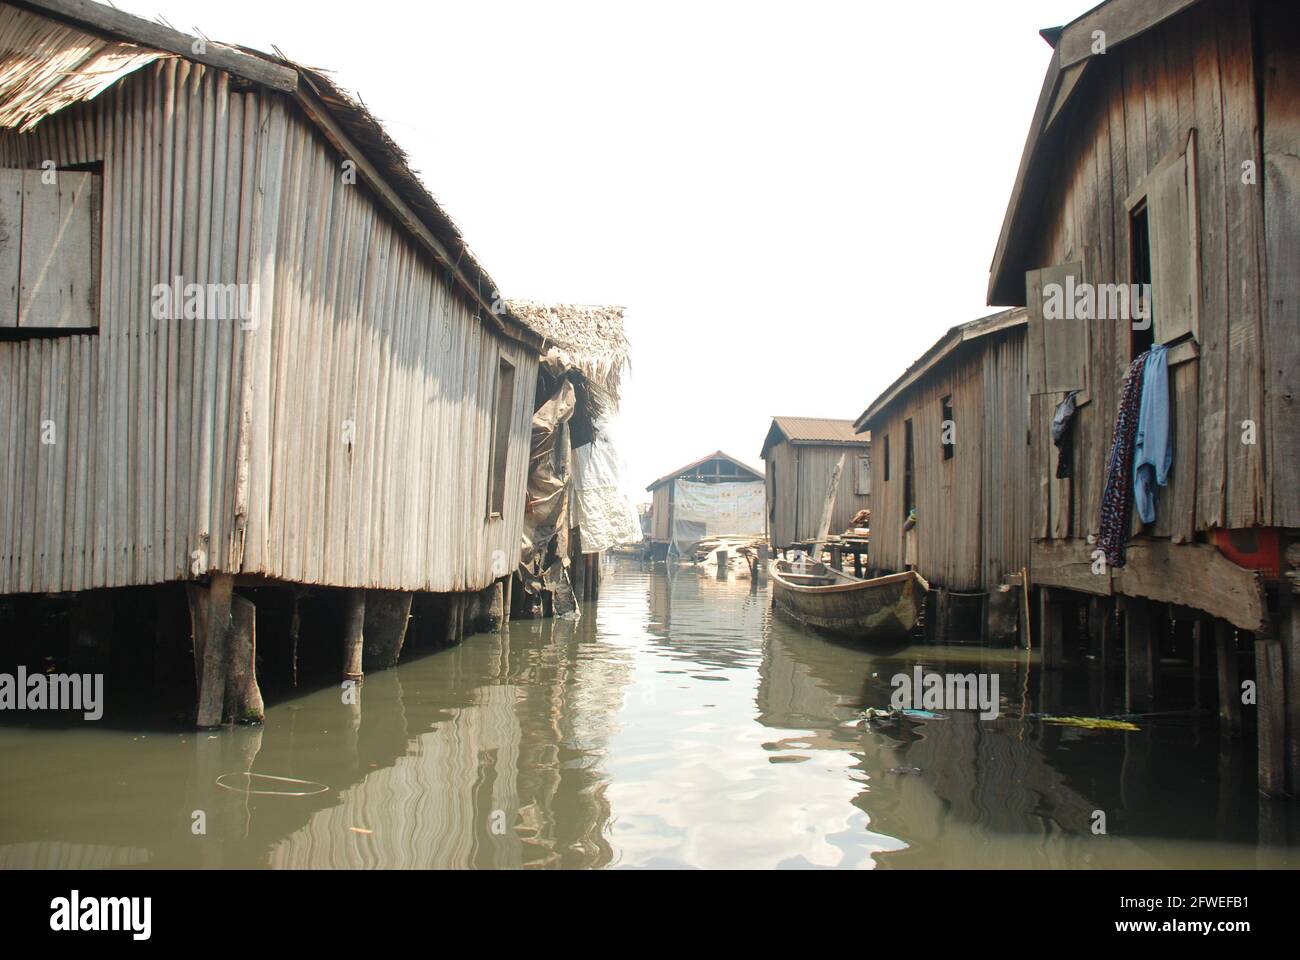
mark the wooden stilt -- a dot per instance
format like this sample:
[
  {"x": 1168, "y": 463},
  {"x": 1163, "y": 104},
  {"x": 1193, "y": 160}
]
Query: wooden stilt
[
  {"x": 210, "y": 625},
  {"x": 1051, "y": 627},
  {"x": 837, "y": 556},
  {"x": 354, "y": 627},
  {"x": 91, "y": 630},
  {"x": 295, "y": 626},
  {"x": 1271, "y": 710},
  {"x": 243, "y": 696},
  {"x": 507, "y": 599},
  {"x": 1139, "y": 656},
  {"x": 387, "y": 614},
  {"x": 721, "y": 557},
  {"x": 1288, "y": 633},
  {"x": 1229, "y": 679},
  {"x": 494, "y": 618}
]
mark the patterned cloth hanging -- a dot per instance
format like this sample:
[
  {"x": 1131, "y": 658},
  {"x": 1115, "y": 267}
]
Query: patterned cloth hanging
[{"x": 1117, "y": 496}]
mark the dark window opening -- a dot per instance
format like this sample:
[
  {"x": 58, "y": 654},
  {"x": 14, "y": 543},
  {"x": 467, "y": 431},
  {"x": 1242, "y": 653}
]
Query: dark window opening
[
  {"x": 1140, "y": 274},
  {"x": 885, "y": 460},
  {"x": 501, "y": 421},
  {"x": 908, "y": 502}
]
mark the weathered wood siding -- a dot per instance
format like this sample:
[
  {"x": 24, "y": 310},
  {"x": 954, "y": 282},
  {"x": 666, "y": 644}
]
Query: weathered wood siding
[
  {"x": 185, "y": 446},
  {"x": 798, "y": 476},
  {"x": 970, "y": 523},
  {"x": 1136, "y": 106},
  {"x": 660, "y": 505}
]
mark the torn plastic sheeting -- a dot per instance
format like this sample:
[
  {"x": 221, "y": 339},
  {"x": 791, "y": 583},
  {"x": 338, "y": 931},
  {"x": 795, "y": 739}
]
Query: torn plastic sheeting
[
  {"x": 605, "y": 517},
  {"x": 544, "y": 512}
]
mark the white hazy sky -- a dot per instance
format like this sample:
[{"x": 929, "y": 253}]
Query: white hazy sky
[{"x": 792, "y": 200}]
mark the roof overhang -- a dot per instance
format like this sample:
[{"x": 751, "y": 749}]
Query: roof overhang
[
  {"x": 1119, "y": 21},
  {"x": 951, "y": 342},
  {"x": 336, "y": 116}
]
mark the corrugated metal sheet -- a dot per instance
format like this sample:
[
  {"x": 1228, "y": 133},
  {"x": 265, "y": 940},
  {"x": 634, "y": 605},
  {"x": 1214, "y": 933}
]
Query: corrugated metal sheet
[{"x": 192, "y": 445}]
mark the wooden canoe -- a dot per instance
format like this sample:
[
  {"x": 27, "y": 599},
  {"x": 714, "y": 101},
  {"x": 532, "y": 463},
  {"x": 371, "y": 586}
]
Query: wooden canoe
[{"x": 822, "y": 597}]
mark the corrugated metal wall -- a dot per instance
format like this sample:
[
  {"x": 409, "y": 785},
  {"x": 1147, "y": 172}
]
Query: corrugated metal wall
[{"x": 143, "y": 482}]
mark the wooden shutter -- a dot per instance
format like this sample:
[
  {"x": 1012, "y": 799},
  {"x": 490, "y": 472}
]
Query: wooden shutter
[
  {"x": 1175, "y": 260},
  {"x": 1058, "y": 345},
  {"x": 11, "y": 235},
  {"x": 59, "y": 270},
  {"x": 863, "y": 488}
]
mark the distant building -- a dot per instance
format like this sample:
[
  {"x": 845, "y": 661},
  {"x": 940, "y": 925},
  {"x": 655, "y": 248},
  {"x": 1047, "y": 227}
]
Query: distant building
[
  {"x": 799, "y": 455},
  {"x": 740, "y": 513}
]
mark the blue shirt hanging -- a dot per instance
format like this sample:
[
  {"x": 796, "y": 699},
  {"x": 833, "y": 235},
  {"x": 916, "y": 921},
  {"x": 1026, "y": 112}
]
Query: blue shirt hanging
[{"x": 1153, "y": 452}]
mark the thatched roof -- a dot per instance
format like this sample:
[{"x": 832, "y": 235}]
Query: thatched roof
[{"x": 591, "y": 337}]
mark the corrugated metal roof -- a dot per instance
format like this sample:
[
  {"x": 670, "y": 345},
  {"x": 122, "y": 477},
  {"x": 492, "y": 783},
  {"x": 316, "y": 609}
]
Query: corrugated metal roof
[
  {"x": 807, "y": 429},
  {"x": 811, "y": 430}
]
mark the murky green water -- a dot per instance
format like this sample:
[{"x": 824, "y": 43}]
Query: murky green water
[{"x": 679, "y": 725}]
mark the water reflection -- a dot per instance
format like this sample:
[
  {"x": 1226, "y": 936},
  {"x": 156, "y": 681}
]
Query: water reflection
[{"x": 679, "y": 726}]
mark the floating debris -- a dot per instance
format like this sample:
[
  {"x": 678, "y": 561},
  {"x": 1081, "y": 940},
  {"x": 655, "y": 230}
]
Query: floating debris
[
  {"x": 311, "y": 787},
  {"x": 1091, "y": 723},
  {"x": 904, "y": 769}
]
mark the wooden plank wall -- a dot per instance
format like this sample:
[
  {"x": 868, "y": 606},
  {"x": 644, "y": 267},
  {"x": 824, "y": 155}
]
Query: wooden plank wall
[
  {"x": 412, "y": 369},
  {"x": 949, "y": 494},
  {"x": 659, "y": 521},
  {"x": 803, "y": 473},
  {"x": 1195, "y": 71},
  {"x": 154, "y": 417},
  {"x": 1004, "y": 523}
]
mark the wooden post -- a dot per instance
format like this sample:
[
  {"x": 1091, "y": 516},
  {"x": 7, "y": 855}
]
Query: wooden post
[
  {"x": 942, "y": 605},
  {"x": 1229, "y": 679},
  {"x": 857, "y": 564},
  {"x": 507, "y": 598},
  {"x": 243, "y": 696},
  {"x": 1026, "y": 625},
  {"x": 1288, "y": 631},
  {"x": 760, "y": 568},
  {"x": 387, "y": 614},
  {"x": 1271, "y": 710},
  {"x": 451, "y": 630},
  {"x": 1139, "y": 656},
  {"x": 1198, "y": 662},
  {"x": 354, "y": 626},
  {"x": 837, "y": 556},
  {"x": 828, "y": 508},
  {"x": 495, "y": 617},
  {"x": 210, "y": 624},
  {"x": 721, "y": 557},
  {"x": 1051, "y": 626},
  {"x": 91, "y": 630}
]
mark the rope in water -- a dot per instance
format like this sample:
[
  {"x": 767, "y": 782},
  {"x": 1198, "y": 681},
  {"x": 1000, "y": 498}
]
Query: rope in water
[{"x": 318, "y": 787}]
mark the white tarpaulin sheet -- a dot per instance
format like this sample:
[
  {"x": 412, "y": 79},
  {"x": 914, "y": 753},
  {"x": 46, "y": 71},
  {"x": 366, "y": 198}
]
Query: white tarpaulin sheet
[
  {"x": 715, "y": 509},
  {"x": 604, "y": 514}
]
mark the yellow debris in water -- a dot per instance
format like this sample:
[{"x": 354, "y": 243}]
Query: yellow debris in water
[{"x": 1092, "y": 723}]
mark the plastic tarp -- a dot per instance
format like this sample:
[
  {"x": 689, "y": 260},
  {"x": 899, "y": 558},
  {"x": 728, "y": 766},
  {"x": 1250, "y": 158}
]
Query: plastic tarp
[
  {"x": 703, "y": 510},
  {"x": 604, "y": 515}
]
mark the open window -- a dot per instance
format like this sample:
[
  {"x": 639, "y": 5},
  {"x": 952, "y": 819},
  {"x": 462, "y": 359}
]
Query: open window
[
  {"x": 1165, "y": 247},
  {"x": 501, "y": 422},
  {"x": 49, "y": 250},
  {"x": 884, "y": 463}
]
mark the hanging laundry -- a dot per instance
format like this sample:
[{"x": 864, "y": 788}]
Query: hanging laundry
[
  {"x": 1063, "y": 435},
  {"x": 1117, "y": 495},
  {"x": 1153, "y": 451}
]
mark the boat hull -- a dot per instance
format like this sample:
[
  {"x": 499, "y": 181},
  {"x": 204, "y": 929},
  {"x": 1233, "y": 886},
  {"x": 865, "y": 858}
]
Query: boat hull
[{"x": 885, "y": 608}]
